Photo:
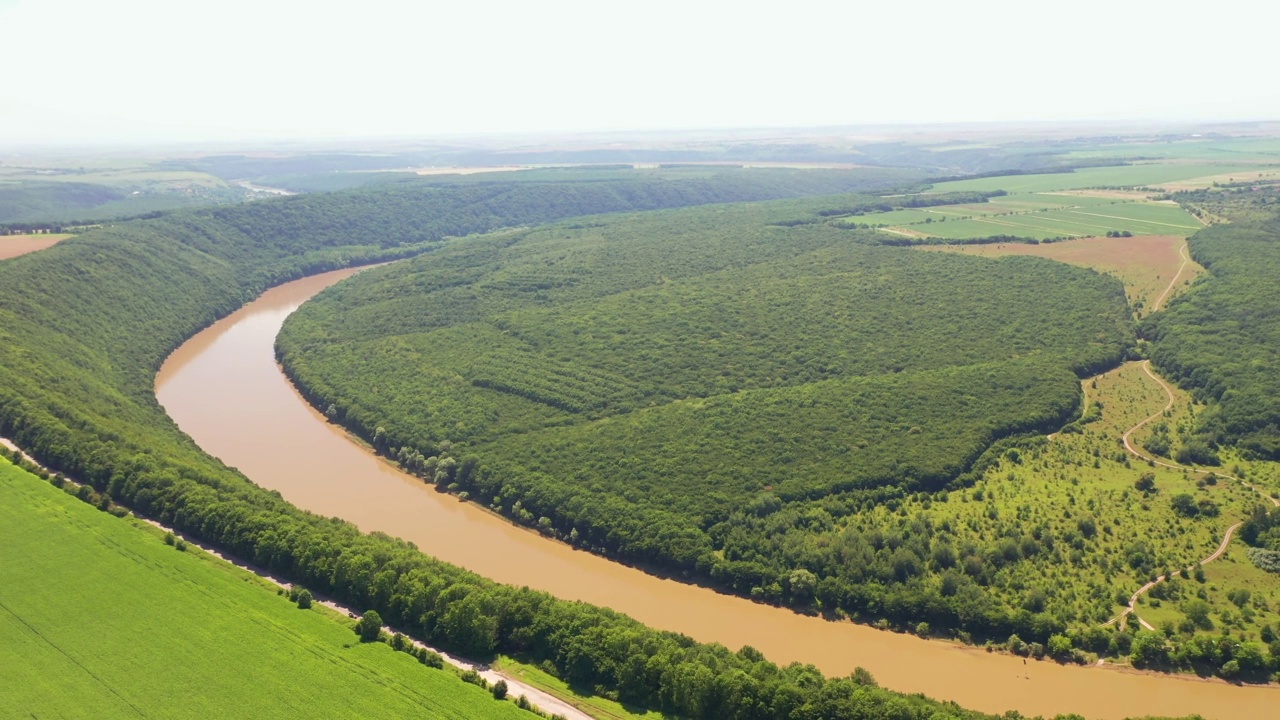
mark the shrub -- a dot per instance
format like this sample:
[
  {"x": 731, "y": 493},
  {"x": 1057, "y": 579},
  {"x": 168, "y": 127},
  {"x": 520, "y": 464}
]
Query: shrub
[{"x": 369, "y": 626}]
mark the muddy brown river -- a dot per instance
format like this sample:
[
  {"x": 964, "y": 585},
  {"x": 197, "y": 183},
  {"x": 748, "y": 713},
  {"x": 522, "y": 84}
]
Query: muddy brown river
[{"x": 223, "y": 388}]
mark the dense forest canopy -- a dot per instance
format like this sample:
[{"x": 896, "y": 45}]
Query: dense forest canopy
[{"x": 657, "y": 386}]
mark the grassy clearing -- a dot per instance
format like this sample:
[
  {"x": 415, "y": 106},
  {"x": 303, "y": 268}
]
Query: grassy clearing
[
  {"x": 1145, "y": 264},
  {"x": 100, "y": 618},
  {"x": 1097, "y": 537},
  {"x": 594, "y": 705}
]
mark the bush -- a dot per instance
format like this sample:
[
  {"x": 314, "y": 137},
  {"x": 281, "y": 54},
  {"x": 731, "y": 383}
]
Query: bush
[
  {"x": 1060, "y": 646},
  {"x": 369, "y": 626},
  {"x": 499, "y": 690},
  {"x": 473, "y": 677},
  {"x": 303, "y": 598}
]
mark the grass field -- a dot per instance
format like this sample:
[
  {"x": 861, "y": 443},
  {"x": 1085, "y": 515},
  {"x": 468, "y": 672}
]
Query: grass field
[
  {"x": 1145, "y": 264},
  {"x": 100, "y": 618},
  {"x": 1085, "y": 203},
  {"x": 1050, "y": 492}
]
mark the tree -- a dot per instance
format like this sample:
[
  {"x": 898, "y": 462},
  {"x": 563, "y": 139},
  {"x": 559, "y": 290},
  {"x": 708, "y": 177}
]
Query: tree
[
  {"x": 1149, "y": 650},
  {"x": 1146, "y": 482},
  {"x": 1239, "y": 596},
  {"x": 369, "y": 626},
  {"x": 499, "y": 690},
  {"x": 1184, "y": 505},
  {"x": 1197, "y": 611},
  {"x": 304, "y": 598},
  {"x": 803, "y": 583},
  {"x": 1060, "y": 646}
]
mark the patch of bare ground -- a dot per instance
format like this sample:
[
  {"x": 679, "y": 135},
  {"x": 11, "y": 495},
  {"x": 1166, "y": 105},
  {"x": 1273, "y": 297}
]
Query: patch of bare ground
[{"x": 12, "y": 246}]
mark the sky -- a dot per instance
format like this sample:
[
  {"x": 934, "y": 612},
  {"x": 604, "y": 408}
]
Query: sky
[{"x": 139, "y": 71}]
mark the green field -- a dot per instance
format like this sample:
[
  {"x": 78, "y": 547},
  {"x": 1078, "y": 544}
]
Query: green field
[
  {"x": 1138, "y": 175},
  {"x": 1248, "y": 150},
  {"x": 1043, "y": 207},
  {"x": 1085, "y": 221},
  {"x": 100, "y": 618}
]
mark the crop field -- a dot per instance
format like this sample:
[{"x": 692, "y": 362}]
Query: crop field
[
  {"x": 1042, "y": 216},
  {"x": 15, "y": 245},
  {"x": 1138, "y": 175},
  {"x": 1244, "y": 150},
  {"x": 1146, "y": 264},
  {"x": 100, "y": 618},
  {"x": 1084, "y": 203}
]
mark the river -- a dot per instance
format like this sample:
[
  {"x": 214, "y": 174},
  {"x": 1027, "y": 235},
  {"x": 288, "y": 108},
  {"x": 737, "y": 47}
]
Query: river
[{"x": 224, "y": 389}]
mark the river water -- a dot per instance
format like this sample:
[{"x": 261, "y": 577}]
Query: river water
[{"x": 224, "y": 389}]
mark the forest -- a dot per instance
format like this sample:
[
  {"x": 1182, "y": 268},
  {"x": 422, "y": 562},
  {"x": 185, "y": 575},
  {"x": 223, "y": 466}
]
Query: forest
[
  {"x": 577, "y": 377},
  {"x": 1221, "y": 340},
  {"x": 84, "y": 326}
]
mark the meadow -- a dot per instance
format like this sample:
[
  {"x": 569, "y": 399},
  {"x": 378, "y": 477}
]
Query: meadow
[{"x": 100, "y": 617}]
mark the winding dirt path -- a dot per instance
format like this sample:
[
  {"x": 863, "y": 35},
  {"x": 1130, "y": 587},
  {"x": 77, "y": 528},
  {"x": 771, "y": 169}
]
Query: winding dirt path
[
  {"x": 1122, "y": 618},
  {"x": 540, "y": 699},
  {"x": 1186, "y": 260}
]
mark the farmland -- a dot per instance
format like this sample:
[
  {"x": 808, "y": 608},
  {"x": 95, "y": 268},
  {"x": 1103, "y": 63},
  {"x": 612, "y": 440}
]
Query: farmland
[
  {"x": 14, "y": 245},
  {"x": 1145, "y": 264},
  {"x": 1086, "y": 202},
  {"x": 99, "y": 617},
  {"x": 1040, "y": 215}
]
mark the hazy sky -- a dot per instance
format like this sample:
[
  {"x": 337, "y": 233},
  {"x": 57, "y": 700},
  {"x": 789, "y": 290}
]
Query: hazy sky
[{"x": 167, "y": 70}]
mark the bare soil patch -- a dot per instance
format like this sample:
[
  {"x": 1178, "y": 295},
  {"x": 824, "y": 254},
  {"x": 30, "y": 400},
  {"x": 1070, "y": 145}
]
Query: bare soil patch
[{"x": 12, "y": 246}]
